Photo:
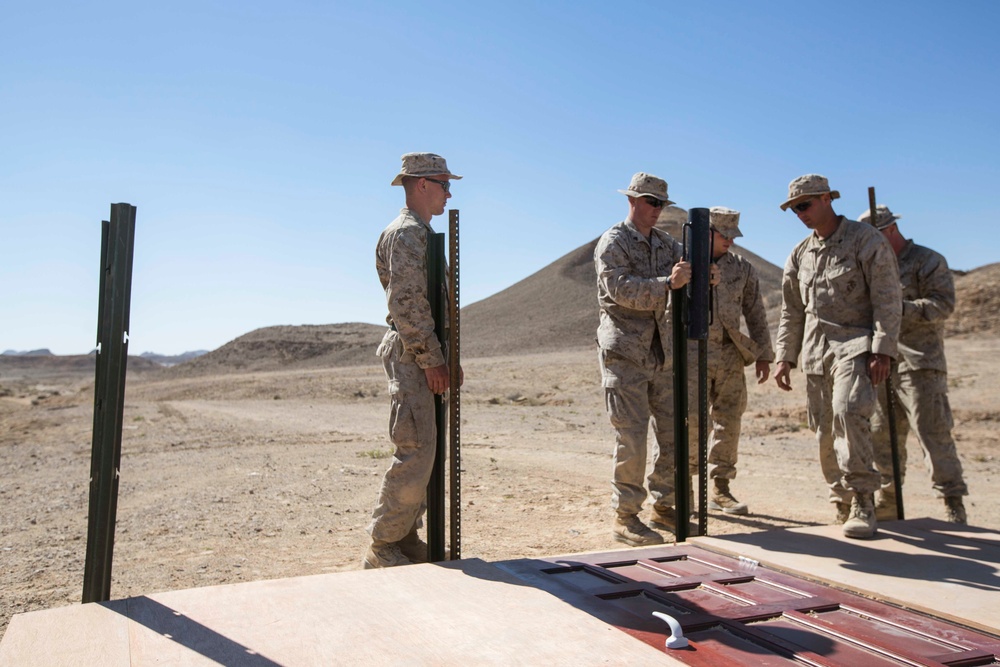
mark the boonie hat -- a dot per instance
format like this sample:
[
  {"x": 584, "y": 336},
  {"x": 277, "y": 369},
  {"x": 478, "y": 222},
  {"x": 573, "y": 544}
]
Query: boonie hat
[
  {"x": 725, "y": 221},
  {"x": 423, "y": 164},
  {"x": 883, "y": 217},
  {"x": 809, "y": 185},
  {"x": 647, "y": 185}
]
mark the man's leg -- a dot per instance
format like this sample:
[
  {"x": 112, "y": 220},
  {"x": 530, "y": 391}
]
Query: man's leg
[
  {"x": 925, "y": 394},
  {"x": 625, "y": 387},
  {"x": 853, "y": 404},
  {"x": 728, "y": 399},
  {"x": 819, "y": 396},
  {"x": 413, "y": 432}
]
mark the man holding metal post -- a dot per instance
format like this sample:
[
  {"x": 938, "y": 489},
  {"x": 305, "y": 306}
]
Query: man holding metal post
[
  {"x": 841, "y": 309},
  {"x": 637, "y": 266},
  {"x": 414, "y": 363},
  {"x": 729, "y": 350},
  {"x": 921, "y": 383}
]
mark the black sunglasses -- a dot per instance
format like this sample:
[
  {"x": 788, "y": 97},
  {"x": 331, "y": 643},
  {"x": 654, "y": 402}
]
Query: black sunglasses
[
  {"x": 803, "y": 206},
  {"x": 445, "y": 185},
  {"x": 653, "y": 201}
]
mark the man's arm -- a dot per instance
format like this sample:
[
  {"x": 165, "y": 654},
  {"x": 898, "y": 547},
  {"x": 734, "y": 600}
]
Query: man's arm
[
  {"x": 936, "y": 287},
  {"x": 406, "y": 298}
]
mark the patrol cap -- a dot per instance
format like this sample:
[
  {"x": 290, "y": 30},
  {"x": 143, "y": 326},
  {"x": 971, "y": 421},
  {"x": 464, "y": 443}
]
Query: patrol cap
[
  {"x": 647, "y": 185},
  {"x": 725, "y": 221},
  {"x": 809, "y": 185},
  {"x": 883, "y": 217},
  {"x": 423, "y": 164}
]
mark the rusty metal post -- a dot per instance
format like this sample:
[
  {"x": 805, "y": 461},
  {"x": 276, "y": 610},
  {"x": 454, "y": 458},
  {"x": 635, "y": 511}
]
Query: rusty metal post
[{"x": 455, "y": 391}]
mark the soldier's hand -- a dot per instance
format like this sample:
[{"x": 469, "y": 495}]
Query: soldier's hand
[
  {"x": 714, "y": 277},
  {"x": 680, "y": 275},
  {"x": 783, "y": 376},
  {"x": 437, "y": 378},
  {"x": 763, "y": 371},
  {"x": 878, "y": 368}
]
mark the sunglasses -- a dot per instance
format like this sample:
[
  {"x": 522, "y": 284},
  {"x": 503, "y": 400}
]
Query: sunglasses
[
  {"x": 445, "y": 185},
  {"x": 652, "y": 201},
  {"x": 804, "y": 206}
]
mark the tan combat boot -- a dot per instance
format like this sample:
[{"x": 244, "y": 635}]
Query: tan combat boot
[
  {"x": 664, "y": 519},
  {"x": 861, "y": 523},
  {"x": 413, "y": 547},
  {"x": 633, "y": 532},
  {"x": 955, "y": 510},
  {"x": 722, "y": 500},
  {"x": 885, "y": 508},
  {"x": 384, "y": 554}
]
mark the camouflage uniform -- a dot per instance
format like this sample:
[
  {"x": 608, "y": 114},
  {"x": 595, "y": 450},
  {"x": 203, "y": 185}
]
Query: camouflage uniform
[
  {"x": 841, "y": 300},
  {"x": 408, "y": 347},
  {"x": 635, "y": 340},
  {"x": 921, "y": 385},
  {"x": 729, "y": 350}
]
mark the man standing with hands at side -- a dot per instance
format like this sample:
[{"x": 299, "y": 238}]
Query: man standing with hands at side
[
  {"x": 841, "y": 309},
  {"x": 414, "y": 362},
  {"x": 637, "y": 266}
]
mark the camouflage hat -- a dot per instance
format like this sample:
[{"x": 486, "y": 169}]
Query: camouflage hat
[
  {"x": 809, "y": 185},
  {"x": 647, "y": 185},
  {"x": 726, "y": 221},
  {"x": 423, "y": 164},
  {"x": 883, "y": 217}
]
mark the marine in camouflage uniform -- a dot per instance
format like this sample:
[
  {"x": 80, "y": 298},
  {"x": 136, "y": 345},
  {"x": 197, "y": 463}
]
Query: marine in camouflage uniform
[
  {"x": 729, "y": 350},
  {"x": 637, "y": 265},
  {"x": 414, "y": 363},
  {"x": 921, "y": 384},
  {"x": 841, "y": 309}
]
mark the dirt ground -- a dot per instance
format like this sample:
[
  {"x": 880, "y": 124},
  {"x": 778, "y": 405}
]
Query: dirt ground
[{"x": 241, "y": 477}]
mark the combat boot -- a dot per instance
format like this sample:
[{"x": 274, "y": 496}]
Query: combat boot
[
  {"x": 955, "y": 510},
  {"x": 633, "y": 532},
  {"x": 384, "y": 554},
  {"x": 861, "y": 523},
  {"x": 413, "y": 547},
  {"x": 665, "y": 519},
  {"x": 843, "y": 512},
  {"x": 885, "y": 508},
  {"x": 723, "y": 500}
]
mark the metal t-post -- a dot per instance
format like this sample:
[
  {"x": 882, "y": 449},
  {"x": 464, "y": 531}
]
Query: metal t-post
[
  {"x": 435, "y": 486},
  {"x": 117, "y": 242}
]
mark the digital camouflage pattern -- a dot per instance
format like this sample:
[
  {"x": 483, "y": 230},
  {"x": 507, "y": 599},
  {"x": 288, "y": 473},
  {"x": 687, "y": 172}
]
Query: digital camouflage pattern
[
  {"x": 635, "y": 339},
  {"x": 632, "y": 290},
  {"x": 738, "y": 295},
  {"x": 928, "y": 300},
  {"x": 808, "y": 185},
  {"x": 841, "y": 299},
  {"x": 729, "y": 350},
  {"x": 921, "y": 384},
  {"x": 843, "y": 293},
  {"x": 408, "y": 347},
  {"x": 423, "y": 164},
  {"x": 400, "y": 259},
  {"x": 647, "y": 185}
]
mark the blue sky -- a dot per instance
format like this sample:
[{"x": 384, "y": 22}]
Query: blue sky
[{"x": 258, "y": 140}]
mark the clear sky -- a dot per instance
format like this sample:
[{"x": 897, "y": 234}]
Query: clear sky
[{"x": 258, "y": 140}]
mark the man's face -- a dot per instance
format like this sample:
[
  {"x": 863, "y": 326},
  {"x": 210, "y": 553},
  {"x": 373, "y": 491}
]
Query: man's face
[
  {"x": 720, "y": 245},
  {"x": 645, "y": 212},
  {"x": 812, "y": 211},
  {"x": 438, "y": 191}
]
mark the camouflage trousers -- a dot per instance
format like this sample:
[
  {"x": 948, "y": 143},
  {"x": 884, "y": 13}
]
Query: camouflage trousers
[
  {"x": 921, "y": 404},
  {"x": 413, "y": 433},
  {"x": 840, "y": 404},
  {"x": 727, "y": 400},
  {"x": 634, "y": 394}
]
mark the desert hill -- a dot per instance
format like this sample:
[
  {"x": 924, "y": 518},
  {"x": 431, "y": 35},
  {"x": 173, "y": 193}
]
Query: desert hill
[{"x": 553, "y": 309}]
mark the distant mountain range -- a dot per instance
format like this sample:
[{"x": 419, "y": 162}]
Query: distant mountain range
[{"x": 161, "y": 359}]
